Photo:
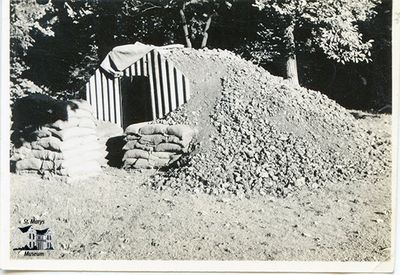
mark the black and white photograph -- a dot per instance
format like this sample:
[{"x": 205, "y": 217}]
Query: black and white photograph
[{"x": 198, "y": 131}]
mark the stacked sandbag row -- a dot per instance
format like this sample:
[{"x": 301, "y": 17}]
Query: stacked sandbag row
[
  {"x": 155, "y": 145},
  {"x": 65, "y": 148}
]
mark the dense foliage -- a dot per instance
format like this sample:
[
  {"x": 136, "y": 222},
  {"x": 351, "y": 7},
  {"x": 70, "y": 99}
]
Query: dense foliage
[
  {"x": 328, "y": 24},
  {"x": 29, "y": 20},
  {"x": 56, "y": 45}
]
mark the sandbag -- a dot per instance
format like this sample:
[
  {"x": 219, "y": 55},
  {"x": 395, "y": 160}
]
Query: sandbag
[
  {"x": 55, "y": 144},
  {"x": 74, "y": 132},
  {"x": 163, "y": 155},
  {"x": 129, "y": 162},
  {"x": 47, "y": 166},
  {"x": 51, "y": 165},
  {"x": 136, "y": 153},
  {"x": 50, "y": 143},
  {"x": 143, "y": 164},
  {"x": 148, "y": 162},
  {"x": 181, "y": 131},
  {"x": 168, "y": 147},
  {"x": 158, "y": 162},
  {"x": 28, "y": 164},
  {"x": 132, "y": 137},
  {"x": 130, "y": 145},
  {"x": 134, "y": 128},
  {"x": 42, "y": 132},
  {"x": 22, "y": 153},
  {"x": 174, "y": 139},
  {"x": 145, "y": 147},
  {"x": 152, "y": 129},
  {"x": 152, "y": 139},
  {"x": 46, "y": 155}
]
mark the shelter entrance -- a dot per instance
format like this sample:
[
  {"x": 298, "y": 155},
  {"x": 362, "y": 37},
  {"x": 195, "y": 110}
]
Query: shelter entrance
[{"x": 136, "y": 100}]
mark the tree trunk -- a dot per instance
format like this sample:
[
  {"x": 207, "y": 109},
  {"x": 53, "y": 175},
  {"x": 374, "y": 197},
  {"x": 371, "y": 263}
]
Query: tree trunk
[
  {"x": 291, "y": 69},
  {"x": 185, "y": 26},
  {"x": 291, "y": 62},
  {"x": 205, "y": 32}
]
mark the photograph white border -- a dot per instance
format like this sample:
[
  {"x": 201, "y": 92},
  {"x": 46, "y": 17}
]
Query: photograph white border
[{"x": 181, "y": 266}]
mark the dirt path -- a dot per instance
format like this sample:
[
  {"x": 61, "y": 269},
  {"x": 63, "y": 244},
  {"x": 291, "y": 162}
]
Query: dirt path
[{"x": 115, "y": 217}]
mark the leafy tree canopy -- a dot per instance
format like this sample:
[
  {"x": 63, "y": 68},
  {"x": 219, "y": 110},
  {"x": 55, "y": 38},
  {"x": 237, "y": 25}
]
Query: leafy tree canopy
[{"x": 332, "y": 24}]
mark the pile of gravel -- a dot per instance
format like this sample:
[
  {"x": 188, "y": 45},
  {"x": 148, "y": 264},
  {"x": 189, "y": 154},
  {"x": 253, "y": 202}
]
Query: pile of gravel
[{"x": 260, "y": 134}]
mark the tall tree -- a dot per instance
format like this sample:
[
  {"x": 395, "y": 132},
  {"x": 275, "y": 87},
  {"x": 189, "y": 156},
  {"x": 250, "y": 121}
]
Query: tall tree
[
  {"x": 29, "y": 20},
  {"x": 193, "y": 17},
  {"x": 328, "y": 24}
]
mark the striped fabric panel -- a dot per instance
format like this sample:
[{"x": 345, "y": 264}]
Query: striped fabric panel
[
  {"x": 87, "y": 88},
  {"x": 179, "y": 84},
  {"x": 130, "y": 71},
  {"x": 106, "y": 105},
  {"x": 138, "y": 68},
  {"x": 135, "y": 68},
  {"x": 186, "y": 89},
  {"x": 143, "y": 62},
  {"x": 111, "y": 92},
  {"x": 118, "y": 100},
  {"x": 99, "y": 95},
  {"x": 169, "y": 88},
  {"x": 165, "y": 86},
  {"x": 157, "y": 84},
  {"x": 172, "y": 91},
  {"x": 93, "y": 95},
  {"x": 150, "y": 73}
]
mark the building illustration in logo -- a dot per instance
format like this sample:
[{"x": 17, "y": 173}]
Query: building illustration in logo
[{"x": 34, "y": 239}]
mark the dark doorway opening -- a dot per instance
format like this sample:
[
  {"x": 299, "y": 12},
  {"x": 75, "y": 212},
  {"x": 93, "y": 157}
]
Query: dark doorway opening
[{"x": 136, "y": 100}]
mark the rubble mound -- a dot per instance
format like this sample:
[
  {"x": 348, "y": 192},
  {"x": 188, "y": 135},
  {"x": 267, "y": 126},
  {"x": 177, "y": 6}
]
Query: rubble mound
[{"x": 260, "y": 134}]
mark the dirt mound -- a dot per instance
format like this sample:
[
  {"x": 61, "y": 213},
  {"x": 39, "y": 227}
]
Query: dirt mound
[{"x": 258, "y": 133}]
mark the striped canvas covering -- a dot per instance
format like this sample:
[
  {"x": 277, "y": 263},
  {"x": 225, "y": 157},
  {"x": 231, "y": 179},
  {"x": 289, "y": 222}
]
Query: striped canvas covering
[{"x": 169, "y": 88}]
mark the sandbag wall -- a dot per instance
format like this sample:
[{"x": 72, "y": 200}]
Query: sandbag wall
[
  {"x": 64, "y": 148},
  {"x": 155, "y": 145}
]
